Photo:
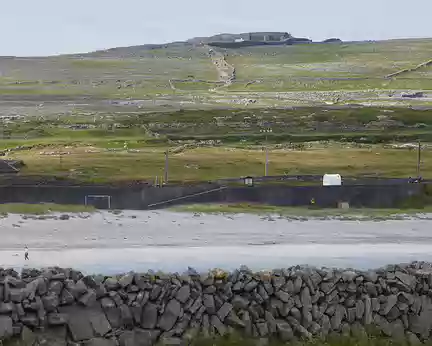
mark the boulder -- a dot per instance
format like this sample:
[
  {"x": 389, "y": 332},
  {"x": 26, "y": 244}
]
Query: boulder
[
  {"x": 6, "y": 308},
  {"x": 6, "y": 329},
  {"x": 233, "y": 320},
  {"x": 209, "y": 303},
  {"x": 111, "y": 284},
  {"x": 55, "y": 287},
  {"x": 149, "y": 316},
  {"x": 170, "y": 315},
  {"x": 79, "y": 325},
  {"x": 389, "y": 303},
  {"x": 240, "y": 303},
  {"x": 88, "y": 299},
  {"x": 306, "y": 299},
  {"x": 283, "y": 296},
  {"x": 284, "y": 330},
  {"x": 57, "y": 319},
  {"x": 183, "y": 294},
  {"x": 218, "y": 325},
  {"x": 66, "y": 297},
  {"x": 30, "y": 320},
  {"x": 127, "y": 319},
  {"x": 126, "y": 280},
  {"x": 50, "y": 302},
  {"x": 99, "y": 322},
  {"x": 224, "y": 311},
  {"x": 100, "y": 342}
]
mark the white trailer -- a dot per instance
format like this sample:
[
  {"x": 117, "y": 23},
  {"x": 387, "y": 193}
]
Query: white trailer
[{"x": 332, "y": 180}]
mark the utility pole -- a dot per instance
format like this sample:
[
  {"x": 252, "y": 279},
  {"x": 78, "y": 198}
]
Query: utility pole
[
  {"x": 266, "y": 165},
  {"x": 266, "y": 157},
  {"x": 418, "y": 159},
  {"x": 166, "y": 167}
]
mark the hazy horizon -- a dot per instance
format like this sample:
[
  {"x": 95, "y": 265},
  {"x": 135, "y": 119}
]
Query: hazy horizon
[{"x": 48, "y": 27}]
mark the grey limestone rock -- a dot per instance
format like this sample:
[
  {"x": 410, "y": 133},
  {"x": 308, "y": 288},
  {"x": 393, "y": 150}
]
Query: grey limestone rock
[
  {"x": 89, "y": 298},
  {"x": 170, "y": 315},
  {"x": 6, "y": 308},
  {"x": 126, "y": 317},
  {"x": 111, "y": 284},
  {"x": 360, "y": 309},
  {"x": 283, "y": 296},
  {"x": 224, "y": 311},
  {"x": 99, "y": 323},
  {"x": 183, "y": 294},
  {"x": 284, "y": 330},
  {"x": 149, "y": 316},
  {"x": 240, "y": 302},
  {"x": 55, "y": 287},
  {"x": 6, "y": 330},
  {"x": 218, "y": 325},
  {"x": 389, "y": 303},
  {"x": 79, "y": 324},
  {"x": 126, "y": 280},
  {"x": 209, "y": 303},
  {"x": 305, "y": 298},
  {"x": 233, "y": 320},
  {"x": 100, "y": 342},
  {"x": 57, "y": 319}
]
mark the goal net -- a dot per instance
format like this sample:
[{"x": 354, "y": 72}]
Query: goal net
[{"x": 98, "y": 201}]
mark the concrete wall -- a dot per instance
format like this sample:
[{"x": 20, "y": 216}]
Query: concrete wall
[
  {"x": 383, "y": 196},
  {"x": 61, "y": 306}
]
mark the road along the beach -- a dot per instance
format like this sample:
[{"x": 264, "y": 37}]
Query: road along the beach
[{"x": 170, "y": 241}]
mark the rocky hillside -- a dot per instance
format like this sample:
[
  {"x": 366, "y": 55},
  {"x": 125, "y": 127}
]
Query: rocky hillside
[{"x": 227, "y": 38}]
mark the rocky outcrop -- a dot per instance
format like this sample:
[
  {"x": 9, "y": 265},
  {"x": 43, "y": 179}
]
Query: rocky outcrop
[{"x": 60, "y": 306}]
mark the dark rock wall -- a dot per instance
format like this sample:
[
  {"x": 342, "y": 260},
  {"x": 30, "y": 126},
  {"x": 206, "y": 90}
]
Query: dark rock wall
[
  {"x": 60, "y": 306},
  {"x": 136, "y": 198}
]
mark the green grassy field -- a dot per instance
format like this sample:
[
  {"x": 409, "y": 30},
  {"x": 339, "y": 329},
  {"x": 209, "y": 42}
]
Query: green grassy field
[
  {"x": 215, "y": 144},
  {"x": 107, "y": 161},
  {"x": 40, "y": 209},
  {"x": 318, "y": 67}
]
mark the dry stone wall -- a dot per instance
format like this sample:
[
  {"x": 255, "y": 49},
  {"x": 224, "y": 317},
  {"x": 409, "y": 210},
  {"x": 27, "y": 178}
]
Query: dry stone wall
[{"x": 61, "y": 306}]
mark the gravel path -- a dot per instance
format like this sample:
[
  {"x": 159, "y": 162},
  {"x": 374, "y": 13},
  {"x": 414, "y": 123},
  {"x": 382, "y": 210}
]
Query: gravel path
[{"x": 172, "y": 241}]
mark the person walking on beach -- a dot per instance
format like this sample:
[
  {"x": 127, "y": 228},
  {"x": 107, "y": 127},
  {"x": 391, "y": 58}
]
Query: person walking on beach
[{"x": 26, "y": 256}]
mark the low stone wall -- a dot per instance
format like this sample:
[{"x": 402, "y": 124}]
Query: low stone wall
[{"x": 57, "y": 306}]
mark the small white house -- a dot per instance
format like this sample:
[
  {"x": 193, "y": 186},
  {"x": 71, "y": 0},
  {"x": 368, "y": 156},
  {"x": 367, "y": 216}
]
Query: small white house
[{"x": 332, "y": 180}]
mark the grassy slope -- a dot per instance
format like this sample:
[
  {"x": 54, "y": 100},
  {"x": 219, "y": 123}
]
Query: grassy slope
[
  {"x": 147, "y": 72},
  {"x": 295, "y": 67},
  {"x": 137, "y": 76},
  {"x": 98, "y": 164}
]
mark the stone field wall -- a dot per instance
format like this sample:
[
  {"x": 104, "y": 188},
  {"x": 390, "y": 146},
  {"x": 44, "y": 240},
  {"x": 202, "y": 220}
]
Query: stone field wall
[{"x": 62, "y": 307}]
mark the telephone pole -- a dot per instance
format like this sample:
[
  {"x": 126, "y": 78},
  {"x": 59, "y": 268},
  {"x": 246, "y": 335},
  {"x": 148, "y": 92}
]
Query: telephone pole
[
  {"x": 266, "y": 166},
  {"x": 166, "y": 167},
  {"x": 418, "y": 159}
]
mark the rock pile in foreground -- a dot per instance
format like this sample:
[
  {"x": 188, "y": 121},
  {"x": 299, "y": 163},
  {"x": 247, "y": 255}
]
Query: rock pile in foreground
[{"x": 57, "y": 306}]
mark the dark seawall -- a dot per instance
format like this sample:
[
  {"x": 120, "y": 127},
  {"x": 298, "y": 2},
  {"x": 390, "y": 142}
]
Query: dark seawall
[{"x": 138, "y": 198}]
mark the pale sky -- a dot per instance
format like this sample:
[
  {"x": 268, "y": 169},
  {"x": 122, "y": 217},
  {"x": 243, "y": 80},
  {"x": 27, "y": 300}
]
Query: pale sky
[{"x": 48, "y": 27}]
